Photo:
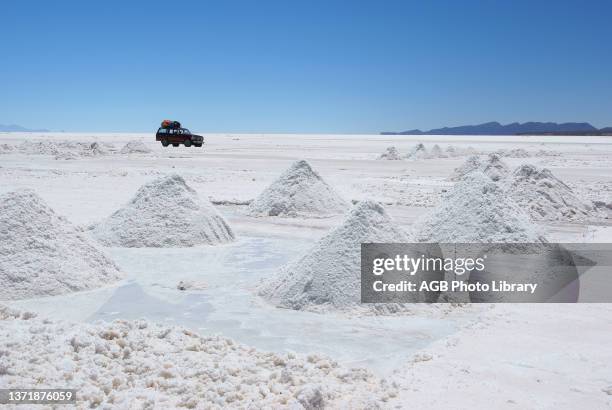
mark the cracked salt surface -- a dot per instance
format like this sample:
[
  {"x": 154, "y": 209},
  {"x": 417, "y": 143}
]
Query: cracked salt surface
[{"x": 229, "y": 306}]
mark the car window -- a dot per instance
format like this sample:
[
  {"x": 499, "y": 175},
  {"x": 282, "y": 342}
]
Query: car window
[{"x": 162, "y": 131}]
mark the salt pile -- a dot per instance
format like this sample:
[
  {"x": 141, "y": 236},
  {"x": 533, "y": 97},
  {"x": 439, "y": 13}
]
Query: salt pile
[
  {"x": 6, "y": 148},
  {"x": 471, "y": 164},
  {"x": 418, "y": 152},
  {"x": 436, "y": 152},
  {"x": 390, "y": 154},
  {"x": 39, "y": 147},
  {"x": 493, "y": 166},
  {"x": 514, "y": 153},
  {"x": 135, "y": 147},
  {"x": 477, "y": 210},
  {"x": 64, "y": 149},
  {"x": 456, "y": 151},
  {"x": 43, "y": 254},
  {"x": 451, "y": 151},
  {"x": 72, "y": 151},
  {"x": 299, "y": 191},
  {"x": 164, "y": 213},
  {"x": 138, "y": 365},
  {"x": 545, "y": 196},
  {"x": 96, "y": 149},
  {"x": 328, "y": 275}
]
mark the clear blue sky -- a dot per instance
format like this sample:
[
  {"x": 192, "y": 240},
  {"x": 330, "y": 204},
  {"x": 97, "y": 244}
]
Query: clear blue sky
[{"x": 303, "y": 66}]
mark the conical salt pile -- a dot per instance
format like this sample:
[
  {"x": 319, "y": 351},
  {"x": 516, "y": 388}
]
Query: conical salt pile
[
  {"x": 390, "y": 154},
  {"x": 471, "y": 164},
  {"x": 451, "y": 150},
  {"x": 477, "y": 210},
  {"x": 495, "y": 168},
  {"x": 164, "y": 213},
  {"x": 546, "y": 197},
  {"x": 458, "y": 151},
  {"x": 436, "y": 152},
  {"x": 299, "y": 191},
  {"x": 418, "y": 152},
  {"x": 96, "y": 149},
  {"x": 42, "y": 254},
  {"x": 135, "y": 147},
  {"x": 328, "y": 275}
]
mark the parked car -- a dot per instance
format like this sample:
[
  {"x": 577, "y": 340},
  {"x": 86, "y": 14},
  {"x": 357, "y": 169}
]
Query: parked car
[{"x": 171, "y": 132}]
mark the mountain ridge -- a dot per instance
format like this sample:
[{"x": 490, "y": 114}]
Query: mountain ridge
[
  {"x": 515, "y": 128},
  {"x": 19, "y": 128}
]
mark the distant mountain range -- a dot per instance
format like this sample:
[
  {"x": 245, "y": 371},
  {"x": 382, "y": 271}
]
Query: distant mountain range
[
  {"x": 515, "y": 128},
  {"x": 18, "y": 128}
]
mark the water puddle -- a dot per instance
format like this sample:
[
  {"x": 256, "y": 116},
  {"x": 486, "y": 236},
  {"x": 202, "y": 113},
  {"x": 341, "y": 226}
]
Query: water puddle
[{"x": 227, "y": 304}]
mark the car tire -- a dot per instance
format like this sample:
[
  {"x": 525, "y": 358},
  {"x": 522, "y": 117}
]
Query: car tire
[
  {"x": 187, "y": 143},
  {"x": 165, "y": 143},
  {"x": 198, "y": 145}
]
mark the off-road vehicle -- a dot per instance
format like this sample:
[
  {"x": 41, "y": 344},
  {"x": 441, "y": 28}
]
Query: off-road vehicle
[{"x": 171, "y": 132}]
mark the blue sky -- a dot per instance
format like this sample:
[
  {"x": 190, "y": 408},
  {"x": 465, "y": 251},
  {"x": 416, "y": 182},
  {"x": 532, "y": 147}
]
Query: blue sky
[{"x": 303, "y": 66}]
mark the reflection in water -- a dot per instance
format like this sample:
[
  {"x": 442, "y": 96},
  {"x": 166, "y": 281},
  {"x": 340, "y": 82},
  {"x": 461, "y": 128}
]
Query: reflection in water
[{"x": 131, "y": 302}]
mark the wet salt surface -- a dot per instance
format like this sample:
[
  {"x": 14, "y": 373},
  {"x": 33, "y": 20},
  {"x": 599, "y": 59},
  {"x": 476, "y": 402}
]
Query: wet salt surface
[{"x": 228, "y": 305}]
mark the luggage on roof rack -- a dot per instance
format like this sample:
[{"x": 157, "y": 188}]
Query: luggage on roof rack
[{"x": 170, "y": 124}]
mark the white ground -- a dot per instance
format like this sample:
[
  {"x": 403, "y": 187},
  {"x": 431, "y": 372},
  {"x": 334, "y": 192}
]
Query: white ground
[{"x": 508, "y": 356}]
